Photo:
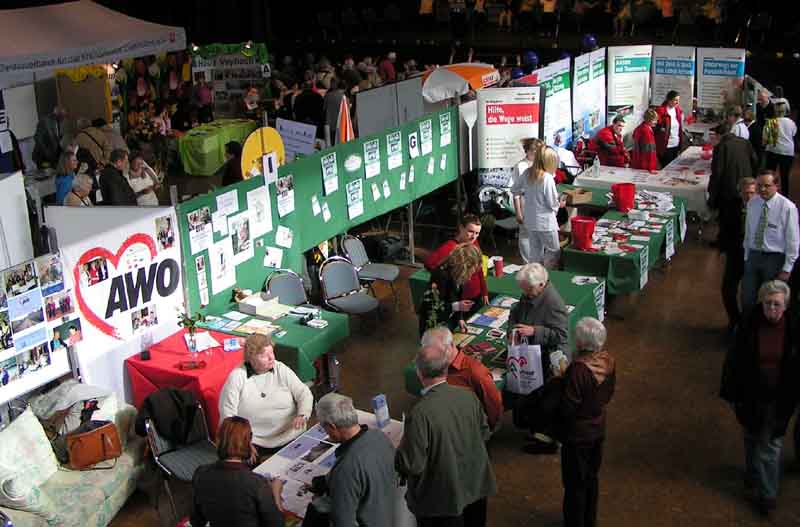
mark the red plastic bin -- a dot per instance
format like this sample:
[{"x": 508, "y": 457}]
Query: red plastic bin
[{"x": 582, "y": 231}]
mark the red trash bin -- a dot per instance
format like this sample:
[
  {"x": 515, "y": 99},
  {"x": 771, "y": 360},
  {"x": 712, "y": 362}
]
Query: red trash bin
[
  {"x": 582, "y": 231},
  {"x": 624, "y": 194}
]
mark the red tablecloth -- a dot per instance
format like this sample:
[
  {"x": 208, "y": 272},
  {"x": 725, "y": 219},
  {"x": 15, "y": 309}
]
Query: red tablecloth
[{"x": 161, "y": 371}]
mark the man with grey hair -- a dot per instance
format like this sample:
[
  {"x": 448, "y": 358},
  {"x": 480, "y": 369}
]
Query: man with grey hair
[
  {"x": 468, "y": 372},
  {"x": 588, "y": 387},
  {"x": 361, "y": 485},
  {"x": 442, "y": 452}
]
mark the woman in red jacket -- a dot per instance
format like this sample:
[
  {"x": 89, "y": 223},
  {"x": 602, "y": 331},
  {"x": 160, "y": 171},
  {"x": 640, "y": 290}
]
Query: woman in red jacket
[
  {"x": 669, "y": 129},
  {"x": 644, "y": 143}
]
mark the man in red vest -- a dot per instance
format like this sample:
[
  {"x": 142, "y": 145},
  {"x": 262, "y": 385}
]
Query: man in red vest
[{"x": 609, "y": 145}]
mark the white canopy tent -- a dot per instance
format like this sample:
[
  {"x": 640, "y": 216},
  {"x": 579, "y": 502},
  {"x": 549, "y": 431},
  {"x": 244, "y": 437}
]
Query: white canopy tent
[{"x": 38, "y": 40}]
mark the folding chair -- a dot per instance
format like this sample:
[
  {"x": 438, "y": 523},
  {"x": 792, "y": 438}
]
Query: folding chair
[
  {"x": 367, "y": 271},
  {"x": 287, "y": 286},
  {"x": 341, "y": 288}
]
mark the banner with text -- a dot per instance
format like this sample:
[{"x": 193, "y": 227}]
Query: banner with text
[
  {"x": 720, "y": 77},
  {"x": 672, "y": 69},
  {"x": 557, "y": 119},
  {"x": 506, "y": 116},
  {"x": 628, "y": 84},
  {"x": 589, "y": 94}
]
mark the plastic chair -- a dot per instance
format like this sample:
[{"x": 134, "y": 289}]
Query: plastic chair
[
  {"x": 181, "y": 461},
  {"x": 341, "y": 288},
  {"x": 367, "y": 271},
  {"x": 287, "y": 286}
]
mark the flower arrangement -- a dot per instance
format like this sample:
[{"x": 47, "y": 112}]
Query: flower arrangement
[
  {"x": 190, "y": 323},
  {"x": 435, "y": 306}
]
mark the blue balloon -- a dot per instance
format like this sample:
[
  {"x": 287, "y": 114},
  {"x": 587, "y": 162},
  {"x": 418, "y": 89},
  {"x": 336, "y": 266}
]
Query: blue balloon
[
  {"x": 564, "y": 55},
  {"x": 589, "y": 42},
  {"x": 516, "y": 73},
  {"x": 530, "y": 58}
]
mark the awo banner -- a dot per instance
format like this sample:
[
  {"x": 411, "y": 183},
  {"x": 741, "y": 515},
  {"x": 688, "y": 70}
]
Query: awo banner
[
  {"x": 127, "y": 279},
  {"x": 589, "y": 94},
  {"x": 720, "y": 77},
  {"x": 557, "y": 121},
  {"x": 505, "y": 117},
  {"x": 672, "y": 69},
  {"x": 628, "y": 84}
]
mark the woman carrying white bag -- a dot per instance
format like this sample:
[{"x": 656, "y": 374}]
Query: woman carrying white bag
[{"x": 537, "y": 335}]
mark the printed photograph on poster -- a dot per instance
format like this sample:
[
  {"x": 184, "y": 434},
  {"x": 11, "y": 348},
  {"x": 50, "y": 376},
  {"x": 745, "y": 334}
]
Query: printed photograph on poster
[
  {"x": 144, "y": 318},
  {"x": 6, "y": 337},
  {"x": 26, "y": 311},
  {"x": 223, "y": 271},
  {"x": 51, "y": 274},
  {"x": 8, "y": 371},
  {"x": 330, "y": 174},
  {"x": 3, "y": 297},
  {"x": 164, "y": 233},
  {"x": 58, "y": 305},
  {"x": 285, "y": 187},
  {"x": 32, "y": 360},
  {"x": 20, "y": 279},
  {"x": 31, "y": 338},
  {"x": 260, "y": 212},
  {"x": 239, "y": 229},
  {"x": 94, "y": 271},
  {"x": 200, "y": 229},
  {"x": 67, "y": 334},
  {"x": 355, "y": 198}
]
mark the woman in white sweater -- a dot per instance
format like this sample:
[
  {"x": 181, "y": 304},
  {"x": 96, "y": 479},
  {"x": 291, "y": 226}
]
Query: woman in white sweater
[
  {"x": 533, "y": 149},
  {"x": 269, "y": 395},
  {"x": 536, "y": 202}
]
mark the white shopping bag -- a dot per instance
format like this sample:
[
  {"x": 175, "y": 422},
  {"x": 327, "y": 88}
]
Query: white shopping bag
[{"x": 524, "y": 368}]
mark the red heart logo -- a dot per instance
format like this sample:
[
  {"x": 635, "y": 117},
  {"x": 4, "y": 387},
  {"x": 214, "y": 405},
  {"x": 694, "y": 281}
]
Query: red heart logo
[{"x": 100, "y": 252}]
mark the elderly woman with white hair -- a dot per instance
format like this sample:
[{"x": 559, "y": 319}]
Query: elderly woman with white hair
[
  {"x": 267, "y": 393},
  {"x": 361, "y": 485},
  {"x": 760, "y": 380},
  {"x": 588, "y": 386},
  {"x": 79, "y": 195}
]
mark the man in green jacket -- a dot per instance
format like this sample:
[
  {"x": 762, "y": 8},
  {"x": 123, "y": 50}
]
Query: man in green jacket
[{"x": 443, "y": 454}]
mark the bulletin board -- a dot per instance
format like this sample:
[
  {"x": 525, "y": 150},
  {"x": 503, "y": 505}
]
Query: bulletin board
[{"x": 317, "y": 214}]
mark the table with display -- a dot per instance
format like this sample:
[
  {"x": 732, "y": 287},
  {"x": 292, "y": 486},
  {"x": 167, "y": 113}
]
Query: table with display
[
  {"x": 627, "y": 272},
  {"x": 582, "y": 300},
  {"x": 298, "y": 349},
  {"x": 686, "y": 177},
  {"x": 313, "y": 454},
  {"x": 202, "y": 149}
]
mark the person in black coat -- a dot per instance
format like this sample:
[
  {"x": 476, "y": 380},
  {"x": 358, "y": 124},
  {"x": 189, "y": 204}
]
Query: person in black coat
[
  {"x": 114, "y": 188},
  {"x": 232, "y": 169},
  {"x": 760, "y": 381},
  {"x": 731, "y": 238}
]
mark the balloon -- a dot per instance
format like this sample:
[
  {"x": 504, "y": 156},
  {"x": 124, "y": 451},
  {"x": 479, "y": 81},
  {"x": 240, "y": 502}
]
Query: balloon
[
  {"x": 516, "y": 73},
  {"x": 530, "y": 58},
  {"x": 564, "y": 55},
  {"x": 589, "y": 42}
]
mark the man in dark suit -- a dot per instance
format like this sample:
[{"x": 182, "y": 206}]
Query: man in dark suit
[{"x": 114, "y": 187}]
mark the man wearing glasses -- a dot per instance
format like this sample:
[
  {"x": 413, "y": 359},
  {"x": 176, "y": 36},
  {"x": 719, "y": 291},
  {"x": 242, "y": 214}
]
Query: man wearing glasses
[{"x": 771, "y": 239}]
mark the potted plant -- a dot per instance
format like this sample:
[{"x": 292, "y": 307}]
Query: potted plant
[{"x": 190, "y": 323}]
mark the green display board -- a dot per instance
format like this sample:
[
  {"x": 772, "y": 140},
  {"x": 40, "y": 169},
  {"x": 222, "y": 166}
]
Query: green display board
[{"x": 309, "y": 229}]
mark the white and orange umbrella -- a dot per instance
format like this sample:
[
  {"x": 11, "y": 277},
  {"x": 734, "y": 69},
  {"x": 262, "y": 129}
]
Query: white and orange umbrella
[
  {"x": 454, "y": 80},
  {"x": 344, "y": 130}
]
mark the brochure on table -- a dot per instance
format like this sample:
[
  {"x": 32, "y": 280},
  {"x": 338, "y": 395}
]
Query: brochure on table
[
  {"x": 589, "y": 94},
  {"x": 628, "y": 85}
]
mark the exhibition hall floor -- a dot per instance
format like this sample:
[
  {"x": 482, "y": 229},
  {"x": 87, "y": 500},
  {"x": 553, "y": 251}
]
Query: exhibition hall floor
[{"x": 674, "y": 453}]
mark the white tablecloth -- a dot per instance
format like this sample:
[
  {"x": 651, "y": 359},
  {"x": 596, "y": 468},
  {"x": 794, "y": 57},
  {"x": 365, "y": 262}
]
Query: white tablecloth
[
  {"x": 703, "y": 129},
  {"x": 687, "y": 176}
]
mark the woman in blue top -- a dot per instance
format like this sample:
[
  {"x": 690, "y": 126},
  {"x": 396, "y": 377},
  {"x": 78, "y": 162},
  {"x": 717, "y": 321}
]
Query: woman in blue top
[{"x": 67, "y": 168}]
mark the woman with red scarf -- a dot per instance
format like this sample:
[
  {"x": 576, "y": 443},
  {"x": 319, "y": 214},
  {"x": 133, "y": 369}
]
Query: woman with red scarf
[
  {"x": 644, "y": 143},
  {"x": 669, "y": 129}
]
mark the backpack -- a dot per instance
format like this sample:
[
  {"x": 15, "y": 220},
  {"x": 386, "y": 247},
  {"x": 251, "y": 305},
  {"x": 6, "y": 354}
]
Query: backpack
[{"x": 771, "y": 132}]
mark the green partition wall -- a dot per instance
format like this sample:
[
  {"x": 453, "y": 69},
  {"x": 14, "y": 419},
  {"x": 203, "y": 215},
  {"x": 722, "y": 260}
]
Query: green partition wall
[{"x": 309, "y": 229}]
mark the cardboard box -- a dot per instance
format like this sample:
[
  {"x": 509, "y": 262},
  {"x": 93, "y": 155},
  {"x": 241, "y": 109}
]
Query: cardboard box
[{"x": 578, "y": 196}]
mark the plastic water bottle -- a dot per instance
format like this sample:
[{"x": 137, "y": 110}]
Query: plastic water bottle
[{"x": 333, "y": 372}]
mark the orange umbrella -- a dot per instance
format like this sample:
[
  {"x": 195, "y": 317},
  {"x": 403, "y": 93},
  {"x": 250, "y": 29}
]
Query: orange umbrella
[
  {"x": 345, "y": 129},
  {"x": 453, "y": 80}
]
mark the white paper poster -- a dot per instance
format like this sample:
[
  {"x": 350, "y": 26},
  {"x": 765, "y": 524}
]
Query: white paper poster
[
  {"x": 413, "y": 145},
  {"x": 200, "y": 229},
  {"x": 285, "y": 188},
  {"x": 355, "y": 198},
  {"x": 376, "y": 192},
  {"x": 241, "y": 237},
  {"x": 720, "y": 77},
  {"x": 269, "y": 163},
  {"x": 557, "y": 119},
  {"x": 426, "y": 136},
  {"x": 326, "y": 212},
  {"x": 372, "y": 158},
  {"x": 672, "y": 69},
  {"x": 403, "y": 181},
  {"x": 284, "y": 236},
  {"x": 505, "y": 117},
  {"x": 220, "y": 223},
  {"x": 445, "y": 129},
  {"x": 589, "y": 94},
  {"x": 228, "y": 203},
  {"x": 315, "y": 208},
  {"x": 298, "y": 138},
  {"x": 628, "y": 85},
  {"x": 387, "y": 191},
  {"x": 330, "y": 173},
  {"x": 394, "y": 149},
  {"x": 273, "y": 257},
  {"x": 260, "y": 211},
  {"x": 223, "y": 270}
]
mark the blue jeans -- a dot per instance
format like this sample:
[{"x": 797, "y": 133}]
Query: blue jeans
[
  {"x": 760, "y": 267},
  {"x": 762, "y": 457}
]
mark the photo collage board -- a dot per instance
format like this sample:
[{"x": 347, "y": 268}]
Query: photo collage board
[{"x": 38, "y": 317}]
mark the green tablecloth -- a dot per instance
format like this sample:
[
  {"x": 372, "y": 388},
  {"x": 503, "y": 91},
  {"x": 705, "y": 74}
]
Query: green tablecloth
[
  {"x": 588, "y": 301},
  {"x": 301, "y": 345},
  {"x": 202, "y": 149},
  {"x": 623, "y": 272}
]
